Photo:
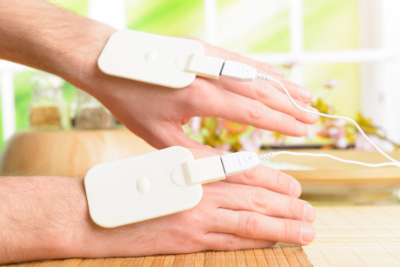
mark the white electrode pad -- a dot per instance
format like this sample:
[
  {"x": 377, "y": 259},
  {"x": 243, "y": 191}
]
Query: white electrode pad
[
  {"x": 140, "y": 188},
  {"x": 154, "y": 58}
]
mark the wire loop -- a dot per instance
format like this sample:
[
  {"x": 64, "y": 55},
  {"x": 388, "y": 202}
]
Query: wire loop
[{"x": 268, "y": 155}]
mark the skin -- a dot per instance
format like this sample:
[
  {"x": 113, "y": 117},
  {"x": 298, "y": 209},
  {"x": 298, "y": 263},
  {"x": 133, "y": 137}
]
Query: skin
[
  {"x": 69, "y": 45},
  {"x": 47, "y": 217}
]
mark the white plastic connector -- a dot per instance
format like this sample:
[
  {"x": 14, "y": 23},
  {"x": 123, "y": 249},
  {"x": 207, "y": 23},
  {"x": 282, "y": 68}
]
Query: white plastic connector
[
  {"x": 238, "y": 72},
  {"x": 205, "y": 66},
  {"x": 199, "y": 171},
  {"x": 239, "y": 162}
]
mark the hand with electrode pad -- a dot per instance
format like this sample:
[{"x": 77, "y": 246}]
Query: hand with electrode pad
[
  {"x": 69, "y": 45},
  {"x": 48, "y": 217},
  {"x": 261, "y": 103}
]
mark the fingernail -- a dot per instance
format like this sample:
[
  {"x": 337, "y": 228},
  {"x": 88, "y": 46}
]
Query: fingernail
[
  {"x": 295, "y": 189},
  {"x": 307, "y": 233},
  {"x": 305, "y": 94},
  {"x": 312, "y": 117},
  {"x": 278, "y": 71},
  {"x": 309, "y": 213},
  {"x": 301, "y": 127}
]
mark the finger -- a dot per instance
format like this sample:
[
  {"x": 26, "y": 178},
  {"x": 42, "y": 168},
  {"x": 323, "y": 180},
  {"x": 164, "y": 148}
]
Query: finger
[
  {"x": 219, "y": 241},
  {"x": 215, "y": 51},
  {"x": 264, "y": 92},
  {"x": 260, "y": 176},
  {"x": 257, "y": 199},
  {"x": 229, "y": 55},
  {"x": 268, "y": 178},
  {"x": 253, "y": 225},
  {"x": 296, "y": 91},
  {"x": 211, "y": 101}
]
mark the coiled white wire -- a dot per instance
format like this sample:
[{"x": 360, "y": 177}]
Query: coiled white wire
[{"x": 272, "y": 154}]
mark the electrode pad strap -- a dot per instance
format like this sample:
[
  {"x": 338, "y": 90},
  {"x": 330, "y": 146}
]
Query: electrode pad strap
[
  {"x": 199, "y": 171},
  {"x": 148, "y": 58},
  {"x": 139, "y": 188}
]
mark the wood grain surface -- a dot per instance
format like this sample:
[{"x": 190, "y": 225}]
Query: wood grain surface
[
  {"x": 332, "y": 180},
  {"x": 67, "y": 153},
  {"x": 356, "y": 236},
  {"x": 280, "y": 255},
  {"x": 329, "y": 169}
]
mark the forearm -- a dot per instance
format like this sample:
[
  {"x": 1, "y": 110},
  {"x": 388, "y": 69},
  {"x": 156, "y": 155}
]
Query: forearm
[
  {"x": 40, "y": 217},
  {"x": 41, "y": 35},
  {"x": 48, "y": 218}
]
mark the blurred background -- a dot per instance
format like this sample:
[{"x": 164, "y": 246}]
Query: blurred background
[{"x": 345, "y": 51}]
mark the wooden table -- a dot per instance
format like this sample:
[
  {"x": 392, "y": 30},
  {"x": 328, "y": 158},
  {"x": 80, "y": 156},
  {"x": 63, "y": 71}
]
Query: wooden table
[
  {"x": 356, "y": 236},
  {"x": 279, "y": 255},
  {"x": 331, "y": 180}
]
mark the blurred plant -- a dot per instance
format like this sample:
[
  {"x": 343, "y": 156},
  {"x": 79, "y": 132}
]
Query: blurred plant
[
  {"x": 224, "y": 135},
  {"x": 231, "y": 136},
  {"x": 253, "y": 142},
  {"x": 288, "y": 64},
  {"x": 344, "y": 134},
  {"x": 375, "y": 134},
  {"x": 331, "y": 83},
  {"x": 277, "y": 139}
]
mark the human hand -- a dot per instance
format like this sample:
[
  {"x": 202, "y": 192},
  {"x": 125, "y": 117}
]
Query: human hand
[
  {"x": 251, "y": 210},
  {"x": 69, "y": 45},
  {"x": 48, "y": 217},
  {"x": 157, "y": 114}
]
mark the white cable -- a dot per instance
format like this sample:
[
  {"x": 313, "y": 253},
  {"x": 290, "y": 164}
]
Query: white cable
[
  {"x": 244, "y": 73},
  {"x": 393, "y": 163}
]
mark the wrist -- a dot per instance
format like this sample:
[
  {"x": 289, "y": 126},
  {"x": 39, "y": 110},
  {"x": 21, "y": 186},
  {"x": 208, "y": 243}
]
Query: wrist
[
  {"x": 41, "y": 218},
  {"x": 82, "y": 70}
]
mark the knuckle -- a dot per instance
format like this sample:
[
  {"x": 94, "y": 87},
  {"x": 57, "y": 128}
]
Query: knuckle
[
  {"x": 286, "y": 230},
  {"x": 250, "y": 226},
  {"x": 258, "y": 197},
  {"x": 261, "y": 65},
  {"x": 194, "y": 216},
  {"x": 261, "y": 90},
  {"x": 235, "y": 56},
  {"x": 278, "y": 180},
  {"x": 256, "y": 110},
  {"x": 285, "y": 121},
  {"x": 200, "y": 89},
  {"x": 291, "y": 207},
  {"x": 251, "y": 176},
  {"x": 232, "y": 243},
  {"x": 187, "y": 217},
  {"x": 191, "y": 238}
]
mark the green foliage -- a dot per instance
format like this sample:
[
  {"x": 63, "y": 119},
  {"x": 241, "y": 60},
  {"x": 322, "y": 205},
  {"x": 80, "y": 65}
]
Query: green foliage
[
  {"x": 166, "y": 17},
  {"x": 23, "y": 96},
  {"x": 79, "y": 7}
]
